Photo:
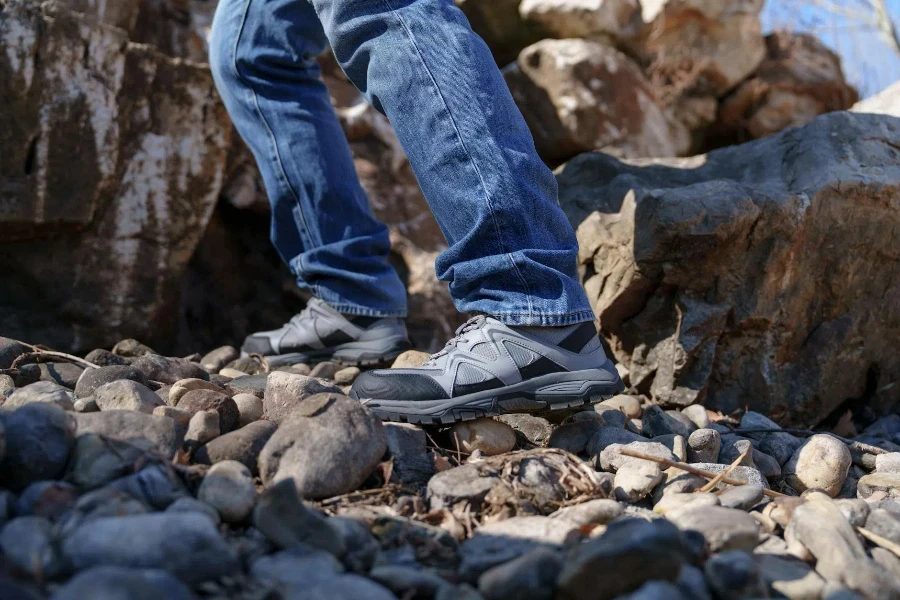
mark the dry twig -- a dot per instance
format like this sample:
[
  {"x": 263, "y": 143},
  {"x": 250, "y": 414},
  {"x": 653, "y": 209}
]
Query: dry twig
[
  {"x": 711, "y": 485},
  {"x": 39, "y": 353},
  {"x": 880, "y": 541},
  {"x": 694, "y": 471}
]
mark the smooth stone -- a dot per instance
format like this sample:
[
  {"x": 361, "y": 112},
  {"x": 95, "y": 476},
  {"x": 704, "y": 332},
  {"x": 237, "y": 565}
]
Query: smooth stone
[
  {"x": 202, "y": 428},
  {"x": 232, "y": 374},
  {"x": 790, "y": 577},
  {"x": 868, "y": 579},
  {"x": 655, "y": 421},
  {"x": 723, "y": 528},
  {"x": 692, "y": 583},
  {"x": 407, "y": 582},
  {"x": 611, "y": 416},
  {"x": 531, "y": 576},
  {"x": 410, "y": 358},
  {"x": 249, "y": 384},
  {"x": 607, "y": 435},
  {"x": 186, "y": 544},
  {"x": 132, "y": 348},
  {"x": 27, "y": 544},
  {"x": 487, "y": 435},
  {"x": 156, "y": 486},
  {"x": 167, "y": 369},
  {"x": 574, "y": 436},
  {"x": 228, "y": 487},
  {"x": 743, "y": 497},
  {"x": 822, "y": 463},
  {"x": 183, "y": 386},
  {"x": 611, "y": 457},
  {"x": 296, "y": 369},
  {"x": 300, "y": 565},
  {"x": 325, "y": 370},
  {"x": 779, "y": 445},
  {"x": 10, "y": 350},
  {"x": 888, "y": 560},
  {"x": 105, "y": 358},
  {"x": 635, "y": 478},
  {"x": 734, "y": 574},
  {"x": 86, "y": 405},
  {"x": 466, "y": 484},
  {"x": 744, "y": 474},
  {"x": 826, "y": 534},
  {"x": 630, "y": 553},
  {"x": 119, "y": 583},
  {"x": 855, "y": 510},
  {"x": 249, "y": 407},
  {"x": 97, "y": 460},
  {"x": 99, "y": 503},
  {"x": 92, "y": 379},
  {"x": 65, "y": 374},
  {"x": 125, "y": 394},
  {"x": 887, "y": 463},
  {"x": 886, "y": 427},
  {"x": 48, "y": 499},
  {"x": 412, "y": 462},
  {"x": 689, "y": 425},
  {"x": 697, "y": 414},
  {"x": 630, "y": 405},
  {"x": 179, "y": 415},
  {"x": 243, "y": 445},
  {"x": 285, "y": 521},
  {"x": 884, "y": 523},
  {"x": 190, "y": 504},
  {"x": 286, "y": 391},
  {"x": 888, "y": 483},
  {"x": 346, "y": 376},
  {"x": 45, "y": 392},
  {"x": 675, "y": 443},
  {"x": 153, "y": 431},
  {"x": 676, "y": 501},
  {"x": 37, "y": 439},
  {"x": 704, "y": 446},
  {"x": 7, "y": 387},
  {"x": 344, "y": 587},
  {"x": 536, "y": 430},
  {"x": 767, "y": 465},
  {"x": 732, "y": 448},
  {"x": 215, "y": 360},
  {"x": 329, "y": 445},
  {"x": 600, "y": 511},
  {"x": 197, "y": 401},
  {"x": 247, "y": 364}
]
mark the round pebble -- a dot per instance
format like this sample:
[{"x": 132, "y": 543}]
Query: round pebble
[{"x": 228, "y": 487}]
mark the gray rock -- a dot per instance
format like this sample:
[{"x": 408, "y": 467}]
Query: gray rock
[
  {"x": 7, "y": 387},
  {"x": 630, "y": 553},
  {"x": 611, "y": 416},
  {"x": 325, "y": 370},
  {"x": 685, "y": 421},
  {"x": 202, "y": 400},
  {"x": 406, "y": 443},
  {"x": 779, "y": 445},
  {"x": 630, "y": 405},
  {"x": 888, "y": 560},
  {"x": 283, "y": 518},
  {"x": 329, "y": 445},
  {"x": 735, "y": 574},
  {"x": 531, "y": 576},
  {"x": 697, "y": 414},
  {"x": 406, "y": 581},
  {"x": 344, "y": 587},
  {"x": 656, "y": 590},
  {"x": 179, "y": 415},
  {"x": 745, "y": 474},
  {"x": 675, "y": 443},
  {"x": 823, "y": 530},
  {"x": 743, "y": 497},
  {"x": 10, "y": 350},
  {"x": 189, "y": 504},
  {"x": 879, "y": 482},
  {"x": 868, "y": 579},
  {"x": 100, "y": 503},
  {"x": 767, "y": 465},
  {"x": 216, "y": 359},
  {"x": 600, "y": 511},
  {"x": 153, "y": 431},
  {"x": 132, "y": 348},
  {"x": 346, "y": 376},
  {"x": 96, "y": 460},
  {"x": 692, "y": 583},
  {"x": 790, "y": 577},
  {"x": 48, "y": 499},
  {"x": 119, "y": 583},
  {"x": 677, "y": 501},
  {"x": 723, "y": 528},
  {"x": 91, "y": 379},
  {"x": 884, "y": 523},
  {"x": 574, "y": 436},
  {"x": 186, "y": 544},
  {"x": 887, "y": 463},
  {"x": 250, "y": 384},
  {"x": 37, "y": 438},
  {"x": 611, "y": 435},
  {"x": 203, "y": 427},
  {"x": 42, "y": 391},
  {"x": 635, "y": 478},
  {"x": 249, "y": 407},
  {"x": 655, "y": 421},
  {"x": 126, "y": 395},
  {"x": 243, "y": 445},
  {"x": 155, "y": 485},
  {"x": 886, "y": 427},
  {"x": 181, "y": 387},
  {"x": 228, "y": 487},
  {"x": 286, "y": 391},
  {"x": 535, "y": 430},
  {"x": 732, "y": 448},
  {"x": 611, "y": 458},
  {"x": 166, "y": 369},
  {"x": 300, "y": 565},
  {"x": 855, "y": 510},
  {"x": 86, "y": 405},
  {"x": 501, "y": 542},
  {"x": 65, "y": 374},
  {"x": 362, "y": 549},
  {"x": 820, "y": 463},
  {"x": 105, "y": 358},
  {"x": 464, "y": 484},
  {"x": 27, "y": 543},
  {"x": 704, "y": 446}
]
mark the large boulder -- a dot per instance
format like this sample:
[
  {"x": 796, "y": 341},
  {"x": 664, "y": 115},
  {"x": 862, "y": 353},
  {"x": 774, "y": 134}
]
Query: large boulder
[
  {"x": 579, "y": 95},
  {"x": 501, "y": 26},
  {"x": 112, "y": 157},
  {"x": 756, "y": 276}
]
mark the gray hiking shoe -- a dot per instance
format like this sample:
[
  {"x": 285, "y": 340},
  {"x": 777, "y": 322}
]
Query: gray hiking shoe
[
  {"x": 490, "y": 369},
  {"x": 321, "y": 333}
]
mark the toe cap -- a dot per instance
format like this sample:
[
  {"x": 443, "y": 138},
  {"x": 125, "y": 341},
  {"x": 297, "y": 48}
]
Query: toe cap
[{"x": 388, "y": 385}]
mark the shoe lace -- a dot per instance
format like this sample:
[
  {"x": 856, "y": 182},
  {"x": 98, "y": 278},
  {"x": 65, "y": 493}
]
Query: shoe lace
[{"x": 471, "y": 325}]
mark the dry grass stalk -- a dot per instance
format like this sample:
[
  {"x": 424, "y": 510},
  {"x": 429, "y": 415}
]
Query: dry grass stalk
[
  {"x": 880, "y": 541},
  {"x": 718, "y": 478}
]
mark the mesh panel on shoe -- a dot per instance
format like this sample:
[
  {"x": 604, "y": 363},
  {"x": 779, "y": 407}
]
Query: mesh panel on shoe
[
  {"x": 467, "y": 374},
  {"x": 521, "y": 356},
  {"x": 484, "y": 350}
]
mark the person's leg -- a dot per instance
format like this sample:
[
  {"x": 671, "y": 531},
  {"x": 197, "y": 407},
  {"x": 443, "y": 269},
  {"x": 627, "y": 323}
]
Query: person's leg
[
  {"x": 263, "y": 58},
  {"x": 512, "y": 253}
]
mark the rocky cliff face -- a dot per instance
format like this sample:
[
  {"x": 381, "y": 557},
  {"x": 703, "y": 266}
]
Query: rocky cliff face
[{"x": 763, "y": 275}]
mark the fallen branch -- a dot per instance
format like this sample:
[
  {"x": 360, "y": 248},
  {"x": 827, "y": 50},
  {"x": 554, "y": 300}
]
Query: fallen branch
[
  {"x": 694, "y": 471},
  {"x": 718, "y": 478},
  {"x": 38, "y": 353},
  {"x": 860, "y": 446},
  {"x": 880, "y": 541}
]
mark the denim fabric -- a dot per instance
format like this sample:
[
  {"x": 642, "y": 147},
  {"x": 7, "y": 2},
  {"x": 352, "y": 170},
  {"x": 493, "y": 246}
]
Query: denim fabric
[{"x": 512, "y": 253}]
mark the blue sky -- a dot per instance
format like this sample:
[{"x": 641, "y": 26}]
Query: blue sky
[{"x": 869, "y": 63}]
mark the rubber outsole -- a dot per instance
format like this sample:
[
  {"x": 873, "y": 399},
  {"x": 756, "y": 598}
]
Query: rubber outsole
[
  {"x": 311, "y": 358},
  {"x": 517, "y": 402}
]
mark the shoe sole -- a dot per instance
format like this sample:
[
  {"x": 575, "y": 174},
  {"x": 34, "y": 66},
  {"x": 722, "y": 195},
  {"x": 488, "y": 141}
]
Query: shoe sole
[
  {"x": 556, "y": 391},
  {"x": 374, "y": 353}
]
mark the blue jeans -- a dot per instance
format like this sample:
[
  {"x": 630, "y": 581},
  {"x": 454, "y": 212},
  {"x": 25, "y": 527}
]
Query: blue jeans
[{"x": 511, "y": 254}]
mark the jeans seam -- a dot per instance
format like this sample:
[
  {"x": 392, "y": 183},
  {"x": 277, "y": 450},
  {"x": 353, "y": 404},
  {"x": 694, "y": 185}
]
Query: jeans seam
[
  {"x": 462, "y": 144},
  {"x": 282, "y": 175}
]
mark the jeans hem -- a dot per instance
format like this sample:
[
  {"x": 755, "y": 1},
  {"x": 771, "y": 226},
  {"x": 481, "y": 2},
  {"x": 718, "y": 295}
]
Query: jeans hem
[
  {"x": 544, "y": 320},
  {"x": 362, "y": 311}
]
